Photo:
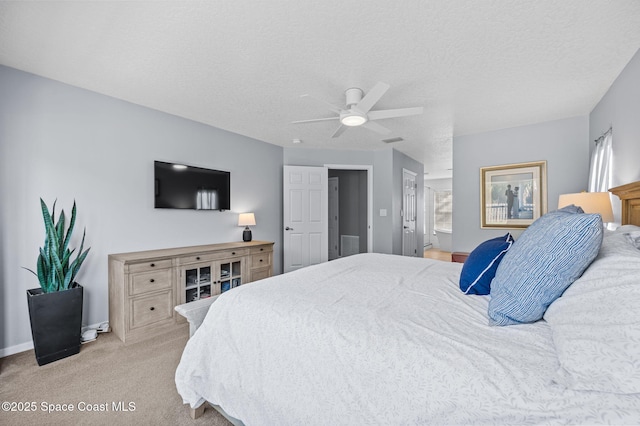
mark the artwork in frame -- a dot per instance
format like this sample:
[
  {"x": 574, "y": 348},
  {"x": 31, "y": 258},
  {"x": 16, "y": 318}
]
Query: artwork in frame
[{"x": 513, "y": 195}]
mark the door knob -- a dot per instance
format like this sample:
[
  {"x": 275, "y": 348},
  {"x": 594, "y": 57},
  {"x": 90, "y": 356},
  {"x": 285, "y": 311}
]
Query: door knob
[{"x": 288, "y": 229}]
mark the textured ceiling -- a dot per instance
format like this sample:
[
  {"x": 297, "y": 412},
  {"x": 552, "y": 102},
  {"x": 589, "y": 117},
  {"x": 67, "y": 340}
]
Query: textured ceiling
[{"x": 241, "y": 65}]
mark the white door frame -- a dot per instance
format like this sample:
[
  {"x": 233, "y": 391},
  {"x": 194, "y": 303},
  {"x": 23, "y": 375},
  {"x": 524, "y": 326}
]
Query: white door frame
[
  {"x": 369, "y": 170},
  {"x": 334, "y": 219},
  {"x": 409, "y": 210}
]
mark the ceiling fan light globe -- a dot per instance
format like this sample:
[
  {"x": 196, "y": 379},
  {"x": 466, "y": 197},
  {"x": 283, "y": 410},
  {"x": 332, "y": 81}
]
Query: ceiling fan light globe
[{"x": 353, "y": 120}]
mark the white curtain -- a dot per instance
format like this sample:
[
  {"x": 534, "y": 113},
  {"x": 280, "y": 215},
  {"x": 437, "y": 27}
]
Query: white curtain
[{"x": 600, "y": 170}]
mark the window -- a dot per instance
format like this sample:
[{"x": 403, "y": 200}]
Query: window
[{"x": 443, "y": 210}]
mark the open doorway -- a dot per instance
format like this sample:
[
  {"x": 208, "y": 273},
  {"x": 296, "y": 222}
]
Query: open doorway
[
  {"x": 438, "y": 214},
  {"x": 349, "y": 211}
]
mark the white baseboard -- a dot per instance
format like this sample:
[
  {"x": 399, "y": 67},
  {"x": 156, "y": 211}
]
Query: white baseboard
[
  {"x": 27, "y": 346},
  {"x": 92, "y": 326},
  {"x": 16, "y": 349}
]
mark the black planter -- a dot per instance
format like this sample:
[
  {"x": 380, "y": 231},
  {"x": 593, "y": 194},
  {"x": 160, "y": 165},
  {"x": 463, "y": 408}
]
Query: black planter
[{"x": 56, "y": 323}]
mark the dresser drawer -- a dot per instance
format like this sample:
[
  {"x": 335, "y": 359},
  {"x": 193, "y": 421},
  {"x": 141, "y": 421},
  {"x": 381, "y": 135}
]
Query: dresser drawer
[
  {"x": 144, "y": 282},
  {"x": 148, "y": 310},
  {"x": 208, "y": 257},
  {"x": 260, "y": 273},
  {"x": 260, "y": 260},
  {"x": 261, "y": 249},
  {"x": 152, "y": 265}
]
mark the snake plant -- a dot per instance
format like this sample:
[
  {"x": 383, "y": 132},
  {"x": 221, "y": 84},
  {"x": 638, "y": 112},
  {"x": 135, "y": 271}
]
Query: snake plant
[{"x": 56, "y": 270}]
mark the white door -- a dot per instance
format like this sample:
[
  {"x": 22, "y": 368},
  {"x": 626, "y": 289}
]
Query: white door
[
  {"x": 305, "y": 239},
  {"x": 334, "y": 224},
  {"x": 409, "y": 213}
]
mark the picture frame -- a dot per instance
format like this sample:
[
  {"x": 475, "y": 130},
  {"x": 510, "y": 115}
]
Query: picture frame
[{"x": 513, "y": 196}]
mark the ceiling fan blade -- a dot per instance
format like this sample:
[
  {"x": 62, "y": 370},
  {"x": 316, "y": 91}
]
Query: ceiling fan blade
[
  {"x": 372, "y": 97},
  {"x": 331, "y": 107},
  {"x": 376, "y": 128},
  {"x": 392, "y": 113},
  {"x": 340, "y": 130},
  {"x": 313, "y": 120}
]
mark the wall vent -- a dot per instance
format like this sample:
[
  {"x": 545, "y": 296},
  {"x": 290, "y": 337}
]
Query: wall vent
[
  {"x": 392, "y": 140},
  {"x": 349, "y": 244}
]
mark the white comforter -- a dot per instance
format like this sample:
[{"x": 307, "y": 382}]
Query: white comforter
[{"x": 379, "y": 339}]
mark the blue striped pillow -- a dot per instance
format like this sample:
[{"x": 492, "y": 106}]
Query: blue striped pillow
[{"x": 549, "y": 255}]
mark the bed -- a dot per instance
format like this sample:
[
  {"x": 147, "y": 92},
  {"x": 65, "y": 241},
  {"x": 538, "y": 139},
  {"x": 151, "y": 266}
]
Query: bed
[{"x": 384, "y": 339}]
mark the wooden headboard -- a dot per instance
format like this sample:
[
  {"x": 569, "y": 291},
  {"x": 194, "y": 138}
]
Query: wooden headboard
[{"x": 629, "y": 194}]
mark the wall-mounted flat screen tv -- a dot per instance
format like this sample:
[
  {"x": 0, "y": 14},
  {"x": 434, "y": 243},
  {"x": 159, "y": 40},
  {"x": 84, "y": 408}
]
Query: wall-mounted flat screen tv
[{"x": 178, "y": 186}]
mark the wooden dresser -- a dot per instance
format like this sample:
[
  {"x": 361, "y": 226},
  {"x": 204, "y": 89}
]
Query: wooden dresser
[{"x": 145, "y": 286}]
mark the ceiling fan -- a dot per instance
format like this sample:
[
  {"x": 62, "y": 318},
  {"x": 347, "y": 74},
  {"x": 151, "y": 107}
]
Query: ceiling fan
[{"x": 358, "y": 110}]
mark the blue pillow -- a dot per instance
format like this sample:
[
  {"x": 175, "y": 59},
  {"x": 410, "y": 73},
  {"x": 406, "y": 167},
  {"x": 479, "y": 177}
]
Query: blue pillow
[
  {"x": 481, "y": 265},
  {"x": 571, "y": 208},
  {"x": 549, "y": 255}
]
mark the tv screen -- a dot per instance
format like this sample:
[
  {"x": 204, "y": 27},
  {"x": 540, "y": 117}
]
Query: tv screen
[{"x": 178, "y": 186}]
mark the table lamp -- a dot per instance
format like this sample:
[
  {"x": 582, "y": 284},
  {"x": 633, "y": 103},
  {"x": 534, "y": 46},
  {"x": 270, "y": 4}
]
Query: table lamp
[
  {"x": 246, "y": 220},
  {"x": 591, "y": 202}
]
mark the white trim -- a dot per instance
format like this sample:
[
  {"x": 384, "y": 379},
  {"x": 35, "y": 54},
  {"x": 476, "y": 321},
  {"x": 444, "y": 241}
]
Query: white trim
[
  {"x": 11, "y": 350},
  {"x": 415, "y": 214},
  {"x": 369, "y": 170},
  {"x": 27, "y": 346},
  {"x": 412, "y": 173}
]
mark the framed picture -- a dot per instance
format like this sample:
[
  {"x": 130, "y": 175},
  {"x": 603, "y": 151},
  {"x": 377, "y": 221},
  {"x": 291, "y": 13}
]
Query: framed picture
[{"x": 513, "y": 195}]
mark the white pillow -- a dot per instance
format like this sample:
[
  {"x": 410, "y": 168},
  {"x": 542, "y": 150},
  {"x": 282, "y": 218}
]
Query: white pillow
[
  {"x": 596, "y": 322},
  {"x": 626, "y": 228}
]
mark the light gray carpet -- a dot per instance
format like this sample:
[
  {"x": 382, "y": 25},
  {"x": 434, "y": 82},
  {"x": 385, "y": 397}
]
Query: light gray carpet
[{"x": 104, "y": 373}]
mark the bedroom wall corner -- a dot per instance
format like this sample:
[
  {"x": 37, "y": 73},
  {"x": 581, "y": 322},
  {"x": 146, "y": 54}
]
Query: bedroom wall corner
[
  {"x": 62, "y": 142},
  {"x": 562, "y": 143},
  {"x": 620, "y": 109}
]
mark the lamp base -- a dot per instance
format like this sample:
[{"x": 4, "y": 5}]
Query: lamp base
[{"x": 246, "y": 235}]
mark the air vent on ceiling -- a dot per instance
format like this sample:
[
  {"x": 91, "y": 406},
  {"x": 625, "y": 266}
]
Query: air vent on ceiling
[{"x": 392, "y": 140}]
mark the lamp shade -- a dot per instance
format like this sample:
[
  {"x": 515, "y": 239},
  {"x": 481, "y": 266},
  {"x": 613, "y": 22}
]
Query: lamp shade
[
  {"x": 246, "y": 219},
  {"x": 591, "y": 202}
]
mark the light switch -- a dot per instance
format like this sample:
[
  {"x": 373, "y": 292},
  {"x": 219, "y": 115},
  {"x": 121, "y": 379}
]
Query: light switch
[{"x": 383, "y": 212}]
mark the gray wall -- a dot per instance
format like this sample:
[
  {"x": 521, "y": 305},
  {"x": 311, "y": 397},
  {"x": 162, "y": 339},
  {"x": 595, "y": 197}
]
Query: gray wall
[
  {"x": 65, "y": 143},
  {"x": 562, "y": 143},
  {"x": 620, "y": 108}
]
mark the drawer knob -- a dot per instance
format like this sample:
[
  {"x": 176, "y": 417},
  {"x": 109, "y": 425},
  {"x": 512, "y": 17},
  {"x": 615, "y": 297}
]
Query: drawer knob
[
  {"x": 197, "y": 257},
  {"x": 260, "y": 260},
  {"x": 233, "y": 252},
  {"x": 153, "y": 264},
  {"x": 153, "y": 281},
  {"x": 261, "y": 249},
  {"x": 152, "y": 308}
]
